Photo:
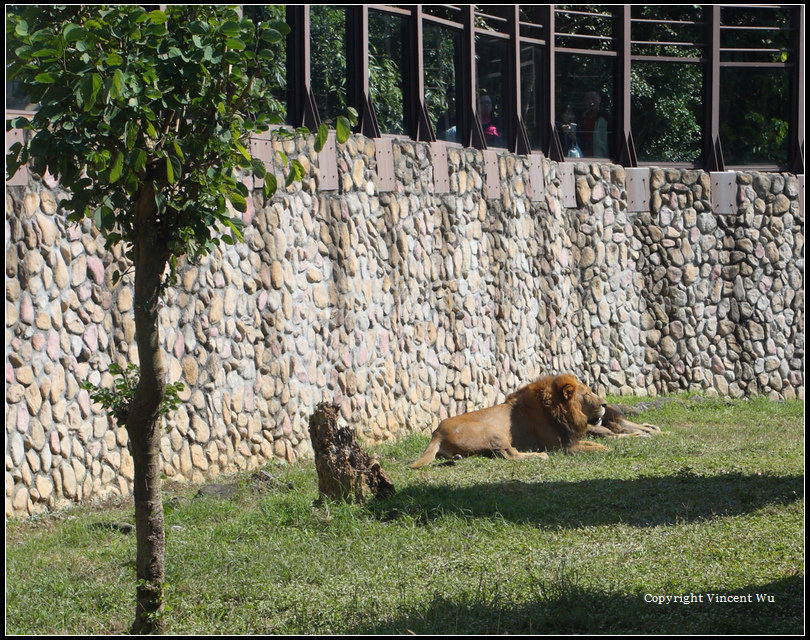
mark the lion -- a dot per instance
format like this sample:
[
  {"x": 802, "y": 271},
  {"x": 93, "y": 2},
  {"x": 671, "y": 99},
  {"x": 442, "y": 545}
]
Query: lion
[{"x": 551, "y": 413}]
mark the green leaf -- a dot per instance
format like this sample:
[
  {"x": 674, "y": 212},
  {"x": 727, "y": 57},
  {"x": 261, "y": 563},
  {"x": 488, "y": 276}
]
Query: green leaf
[
  {"x": 320, "y": 138},
  {"x": 45, "y": 78},
  {"x": 74, "y": 33},
  {"x": 271, "y": 36},
  {"x": 238, "y": 201},
  {"x": 157, "y": 17},
  {"x": 235, "y": 44},
  {"x": 130, "y": 134},
  {"x": 344, "y": 129},
  {"x": 20, "y": 122},
  {"x": 231, "y": 29},
  {"x": 231, "y": 57},
  {"x": 177, "y": 168},
  {"x": 297, "y": 172},
  {"x": 270, "y": 185},
  {"x": 44, "y": 53},
  {"x": 169, "y": 170},
  {"x": 104, "y": 218},
  {"x": 117, "y": 167},
  {"x": 160, "y": 201},
  {"x": 89, "y": 86},
  {"x": 138, "y": 160},
  {"x": 117, "y": 84},
  {"x": 259, "y": 170},
  {"x": 199, "y": 28},
  {"x": 242, "y": 151},
  {"x": 236, "y": 225},
  {"x": 279, "y": 25},
  {"x": 178, "y": 150}
]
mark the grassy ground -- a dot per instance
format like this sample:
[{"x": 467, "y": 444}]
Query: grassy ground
[{"x": 576, "y": 544}]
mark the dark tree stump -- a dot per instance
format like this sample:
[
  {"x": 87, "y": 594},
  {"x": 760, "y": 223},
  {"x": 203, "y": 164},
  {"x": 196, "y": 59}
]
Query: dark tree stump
[{"x": 345, "y": 471}]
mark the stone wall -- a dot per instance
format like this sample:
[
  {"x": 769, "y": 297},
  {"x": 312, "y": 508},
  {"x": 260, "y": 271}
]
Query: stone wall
[{"x": 403, "y": 307}]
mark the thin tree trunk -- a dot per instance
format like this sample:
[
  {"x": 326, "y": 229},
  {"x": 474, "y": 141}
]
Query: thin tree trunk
[{"x": 143, "y": 424}]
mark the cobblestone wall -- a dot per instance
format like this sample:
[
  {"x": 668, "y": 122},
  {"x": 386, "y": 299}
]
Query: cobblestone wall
[{"x": 403, "y": 307}]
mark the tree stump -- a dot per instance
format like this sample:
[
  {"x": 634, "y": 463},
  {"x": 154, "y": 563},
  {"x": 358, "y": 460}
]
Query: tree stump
[{"x": 345, "y": 471}]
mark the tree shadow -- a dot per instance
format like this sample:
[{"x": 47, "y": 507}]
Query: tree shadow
[
  {"x": 639, "y": 502},
  {"x": 572, "y": 609}
]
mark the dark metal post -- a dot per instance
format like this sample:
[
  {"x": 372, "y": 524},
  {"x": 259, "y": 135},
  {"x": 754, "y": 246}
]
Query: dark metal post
[
  {"x": 301, "y": 110},
  {"x": 711, "y": 94},
  {"x": 517, "y": 138},
  {"x": 797, "y": 80},
  {"x": 472, "y": 134},
  {"x": 417, "y": 121},
  {"x": 554, "y": 149},
  {"x": 357, "y": 80},
  {"x": 623, "y": 146}
]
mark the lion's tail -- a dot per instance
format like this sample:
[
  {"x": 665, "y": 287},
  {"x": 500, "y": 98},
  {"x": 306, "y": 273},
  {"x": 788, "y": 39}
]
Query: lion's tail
[{"x": 429, "y": 455}]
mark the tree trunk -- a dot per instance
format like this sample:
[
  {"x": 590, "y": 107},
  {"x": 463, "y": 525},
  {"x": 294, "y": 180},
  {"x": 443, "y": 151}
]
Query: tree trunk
[
  {"x": 345, "y": 471},
  {"x": 150, "y": 257}
]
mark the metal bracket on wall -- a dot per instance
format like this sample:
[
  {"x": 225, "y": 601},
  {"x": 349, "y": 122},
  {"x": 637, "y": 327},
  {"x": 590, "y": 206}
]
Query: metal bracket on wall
[
  {"x": 441, "y": 174},
  {"x": 637, "y": 185},
  {"x": 327, "y": 164},
  {"x": 493, "y": 176},
  {"x": 724, "y": 192},
  {"x": 261, "y": 147},
  {"x": 384, "y": 154},
  {"x": 568, "y": 184},
  {"x": 537, "y": 184}
]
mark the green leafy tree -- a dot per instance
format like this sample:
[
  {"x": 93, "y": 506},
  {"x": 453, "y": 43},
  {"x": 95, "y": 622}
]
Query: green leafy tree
[{"x": 145, "y": 118}]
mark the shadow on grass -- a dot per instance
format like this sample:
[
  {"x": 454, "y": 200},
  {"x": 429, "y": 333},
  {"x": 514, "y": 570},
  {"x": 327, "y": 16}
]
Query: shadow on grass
[
  {"x": 640, "y": 502},
  {"x": 572, "y": 609}
]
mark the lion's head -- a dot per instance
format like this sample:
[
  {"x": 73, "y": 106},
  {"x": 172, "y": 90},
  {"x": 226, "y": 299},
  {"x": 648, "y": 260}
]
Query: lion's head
[
  {"x": 582, "y": 400},
  {"x": 572, "y": 403}
]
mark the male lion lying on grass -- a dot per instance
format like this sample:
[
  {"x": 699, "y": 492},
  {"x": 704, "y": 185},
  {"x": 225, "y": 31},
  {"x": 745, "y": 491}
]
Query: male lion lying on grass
[{"x": 551, "y": 413}]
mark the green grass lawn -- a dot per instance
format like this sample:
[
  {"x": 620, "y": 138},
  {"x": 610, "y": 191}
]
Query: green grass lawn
[{"x": 576, "y": 544}]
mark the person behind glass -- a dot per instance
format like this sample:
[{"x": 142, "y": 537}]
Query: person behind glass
[
  {"x": 594, "y": 129},
  {"x": 568, "y": 132},
  {"x": 446, "y": 124},
  {"x": 490, "y": 123}
]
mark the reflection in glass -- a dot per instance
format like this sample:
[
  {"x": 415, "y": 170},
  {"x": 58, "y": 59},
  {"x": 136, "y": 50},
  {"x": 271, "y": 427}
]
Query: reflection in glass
[
  {"x": 328, "y": 51},
  {"x": 441, "y": 60},
  {"x": 667, "y": 30},
  {"x": 754, "y": 34},
  {"x": 667, "y": 111},
  {"x": 585, "y": 82},
  {"x": 754, "y": 115},
  {"x": 531, "y": 93},
  {"x": 386, "y": 34},
  {"x": 490, "y": 57},
  {"x": 584, "y": 27}
]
